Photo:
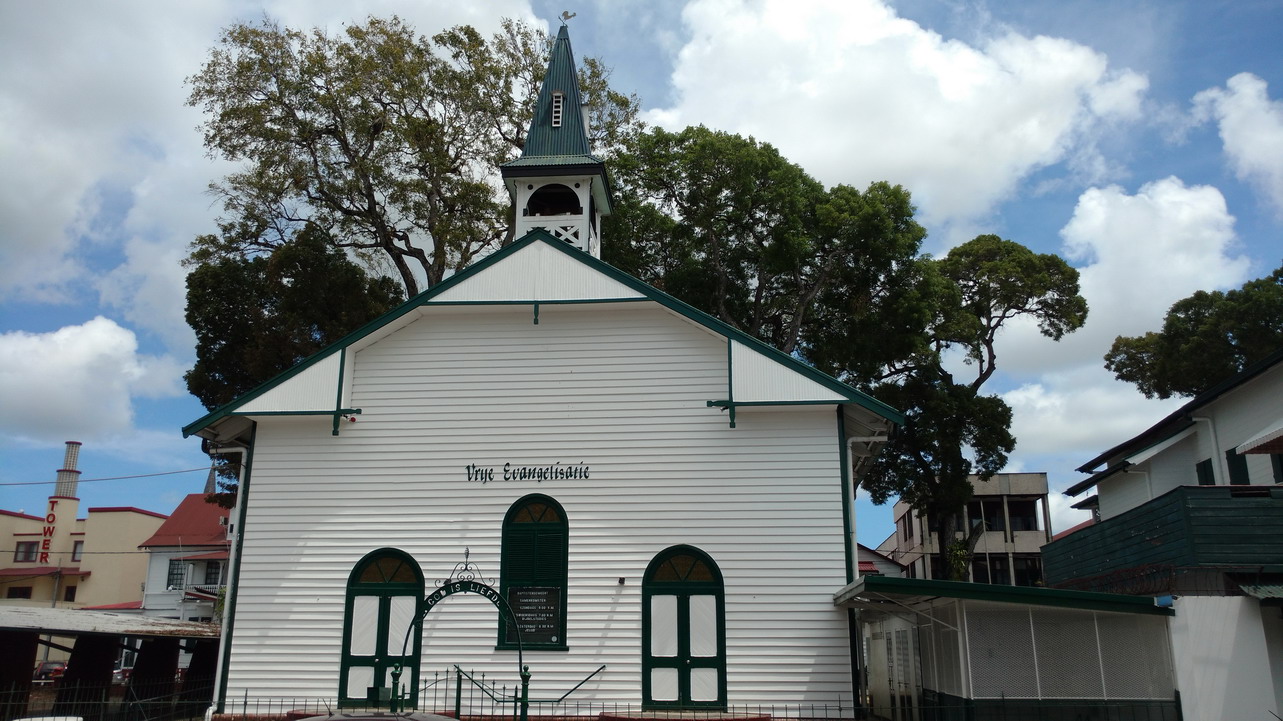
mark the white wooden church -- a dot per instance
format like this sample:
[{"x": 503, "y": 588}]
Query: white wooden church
[{"x": 647, "y": 489}]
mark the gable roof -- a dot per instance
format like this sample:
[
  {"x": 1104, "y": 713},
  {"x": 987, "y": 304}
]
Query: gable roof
[
  {"x": 193, "y": 523},
  {"x": 536, "y": 276},
  {"x": 1169, "y": 427}
]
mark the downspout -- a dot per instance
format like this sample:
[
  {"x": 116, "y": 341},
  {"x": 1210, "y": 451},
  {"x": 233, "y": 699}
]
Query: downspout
[
  {"x": 233, "y": 571},
  {"x": 1220, "y": 471},
  {"x": 1149, "y": 484}
]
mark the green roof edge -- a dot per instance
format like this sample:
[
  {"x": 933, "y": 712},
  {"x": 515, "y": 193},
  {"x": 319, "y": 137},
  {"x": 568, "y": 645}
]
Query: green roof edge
[
  {"x": 1035, "y": 595},
  {"x": 424, "y": 298}
]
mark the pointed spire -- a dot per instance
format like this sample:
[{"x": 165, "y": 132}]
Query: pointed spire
[{"x": 558, "y": 128}]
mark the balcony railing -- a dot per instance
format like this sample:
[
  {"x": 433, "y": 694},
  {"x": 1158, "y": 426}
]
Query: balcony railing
[{"x": 1194, "y": 533}]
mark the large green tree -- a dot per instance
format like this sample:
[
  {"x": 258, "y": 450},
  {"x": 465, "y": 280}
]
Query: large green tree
[
  {"x": 836, "y": 277},
  {"x": 257, "y": 317},
  {"x": 385, "y": 140},
  {"x": 1205, "y": 339}
]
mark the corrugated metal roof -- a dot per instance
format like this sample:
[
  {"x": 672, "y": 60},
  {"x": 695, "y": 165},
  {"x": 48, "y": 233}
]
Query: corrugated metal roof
[
  {"x": 194, "y": 523},
  {"x": 75, "y": 622},
  {"x": 1263, "y": 591}
]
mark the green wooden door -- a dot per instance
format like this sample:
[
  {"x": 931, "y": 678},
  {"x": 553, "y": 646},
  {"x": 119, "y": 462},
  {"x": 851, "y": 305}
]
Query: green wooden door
[{"x": 381, "y": 629}]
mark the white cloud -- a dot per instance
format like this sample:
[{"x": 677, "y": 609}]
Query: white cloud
[
  {"x": 854, "y": 93},
  {"x": 1251, "y": 128},
  {"x": 1138, "y": 254},
  {"x": 78, "y": 382},
  {"x": 105, "y": 173}
]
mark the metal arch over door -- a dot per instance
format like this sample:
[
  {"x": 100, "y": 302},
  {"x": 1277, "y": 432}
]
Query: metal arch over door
[{"x": 683, "y": 631}]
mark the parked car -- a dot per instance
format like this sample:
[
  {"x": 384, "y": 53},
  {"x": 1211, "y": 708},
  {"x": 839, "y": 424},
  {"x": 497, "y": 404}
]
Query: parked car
[
  {"x": 120, "y": 674},
  {"x": 49, "y": 670}
]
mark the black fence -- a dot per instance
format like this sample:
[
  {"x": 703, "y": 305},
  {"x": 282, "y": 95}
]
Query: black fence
[{"x": 114, "y": 702}]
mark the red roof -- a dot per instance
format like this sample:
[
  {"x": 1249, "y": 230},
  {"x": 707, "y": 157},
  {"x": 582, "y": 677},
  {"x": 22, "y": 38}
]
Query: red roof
[
  {"x": 868, "y": 567},
  {"x": 19, "y": 515},
  {"x": 1079, "y": 527},
  {"x": 126, "y": 606},
  {"x": 193, "y": 523},
  {"x": 211, "y": 556},
  {"x": 125, "y": 509}
]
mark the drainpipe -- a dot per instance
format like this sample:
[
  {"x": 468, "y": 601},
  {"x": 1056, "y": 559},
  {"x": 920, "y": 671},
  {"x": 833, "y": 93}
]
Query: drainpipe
[{"x": 1219, "y": 471}]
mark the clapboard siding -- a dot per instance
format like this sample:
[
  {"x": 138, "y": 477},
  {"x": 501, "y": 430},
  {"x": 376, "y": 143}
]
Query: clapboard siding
[{"x": 621, "y": 389}]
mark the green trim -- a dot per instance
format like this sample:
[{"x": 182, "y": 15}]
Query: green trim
[
  {"x": 847, "y": 498},
  {"x": 560, "y": 576},
  {"x": 536, "y": 236},
  {"x": 234, "y": 575},
  {"x": 730, "y": 403},
  {"x": 568, "y": 301},
  {"x": 683, "y": 590},
  {"x": 730, "y": 382},
  {"x": 336, "y": 412},
  {"x": 536, "y": 307},
  {"x": 1060, "y": 598},
  {"x": 338, "y": 394}
]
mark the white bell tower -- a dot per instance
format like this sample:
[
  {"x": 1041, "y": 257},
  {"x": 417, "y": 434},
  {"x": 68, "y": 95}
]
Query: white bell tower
[{"x": 557, "y": 185}]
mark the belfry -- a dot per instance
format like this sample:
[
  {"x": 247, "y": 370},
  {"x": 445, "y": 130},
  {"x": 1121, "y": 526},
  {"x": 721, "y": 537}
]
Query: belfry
[{"x": 557, "y": 183}]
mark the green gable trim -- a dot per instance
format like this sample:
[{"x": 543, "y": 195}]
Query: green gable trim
[
  {"x": 1059, "y": 598},
  {"x": 542, "y": 236}
]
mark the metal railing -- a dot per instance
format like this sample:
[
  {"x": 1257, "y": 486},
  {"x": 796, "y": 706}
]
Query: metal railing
[{"x": 113, "y": 702}]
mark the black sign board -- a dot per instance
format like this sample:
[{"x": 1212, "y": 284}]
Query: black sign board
[{"x": 538, "y": 611}]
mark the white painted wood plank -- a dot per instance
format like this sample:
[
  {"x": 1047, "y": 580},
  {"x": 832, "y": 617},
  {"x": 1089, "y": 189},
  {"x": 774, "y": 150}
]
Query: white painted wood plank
[
  {"x": 537, "y": 272},
  {"x": 314, "y": 389},
  {"x": 760, "y": 378}
]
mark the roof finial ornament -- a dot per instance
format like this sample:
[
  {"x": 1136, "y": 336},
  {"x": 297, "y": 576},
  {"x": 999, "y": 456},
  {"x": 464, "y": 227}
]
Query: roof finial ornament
[{"x": 566, "y": 15}]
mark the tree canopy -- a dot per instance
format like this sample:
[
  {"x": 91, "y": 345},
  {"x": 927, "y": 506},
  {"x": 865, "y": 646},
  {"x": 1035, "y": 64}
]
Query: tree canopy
[
  {"x": 1205, "y": 339},
  {"x": 836, "y": 276},
  {"x": 383, "y": 141},
  {"x": 257, "y": 317}
]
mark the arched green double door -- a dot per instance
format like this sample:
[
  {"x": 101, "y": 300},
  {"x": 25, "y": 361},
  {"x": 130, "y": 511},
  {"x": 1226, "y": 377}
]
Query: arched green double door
[
  {"x": 683, "y": 631},
  {"x": 381, "y": 628}
]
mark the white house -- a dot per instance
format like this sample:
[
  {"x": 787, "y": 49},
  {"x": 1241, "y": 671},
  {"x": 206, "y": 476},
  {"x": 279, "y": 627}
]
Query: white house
[
  {"x": 1192, "y": 508},
  {"x": 651, "y": 490},
  {"x": 187, "y": 561}
]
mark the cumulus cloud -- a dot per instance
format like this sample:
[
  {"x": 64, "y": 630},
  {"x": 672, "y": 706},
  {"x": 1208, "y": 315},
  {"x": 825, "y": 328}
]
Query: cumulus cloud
[
  {"x": 1251, "y": 128},
  {"x": 855, "y": 93},
  {"x": 1136, "y": 255},
  {"x": 78, "y": 381},
  {"x": 102, "y": 157}
]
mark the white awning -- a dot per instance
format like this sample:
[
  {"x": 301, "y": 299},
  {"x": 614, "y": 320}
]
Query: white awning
[{"x": 1269, "y": 440}]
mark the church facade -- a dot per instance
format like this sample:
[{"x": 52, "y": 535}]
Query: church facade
[{"x": 624, "y": 481}]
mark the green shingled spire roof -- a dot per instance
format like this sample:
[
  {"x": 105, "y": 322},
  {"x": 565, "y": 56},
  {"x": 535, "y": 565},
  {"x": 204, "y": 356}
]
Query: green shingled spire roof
[{"x": 557, "y": 134}]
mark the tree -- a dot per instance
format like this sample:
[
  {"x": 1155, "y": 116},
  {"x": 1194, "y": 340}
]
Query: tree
[
  {"x": 1205, "y": 339},
  {"x": 385, "y": 141},
  {"x": 257, "y": 317},
  {"x": 835, "y": 276},
  {"x": 730, "y": 226}
]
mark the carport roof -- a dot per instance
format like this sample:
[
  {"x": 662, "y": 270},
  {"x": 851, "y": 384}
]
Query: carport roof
[
  {"x": 888, "y": 593},
  {"x": 76, "y": 622}
]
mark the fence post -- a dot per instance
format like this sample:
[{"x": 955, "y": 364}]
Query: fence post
[
  {"x": 525, "y": 693},
  {"x": 458, "y": 693}
]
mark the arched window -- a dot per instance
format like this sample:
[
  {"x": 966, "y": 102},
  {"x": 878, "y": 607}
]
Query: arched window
[
  {"x": 554, "y": 199},
  {"x": 381, "y": 628},
  {"x": 532, "y": 573},
  {"x": 683, "y": 631}
]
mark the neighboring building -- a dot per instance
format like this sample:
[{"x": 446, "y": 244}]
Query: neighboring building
[
  {"x": 874, "y": 563},
  {"x": 61, "y": 560},
  {"x": 188, "y": 561},
  {"x": 1192, "y": 508},
  {"x": 665, "y": 502},
  {"x": 1017, "y": 522}
]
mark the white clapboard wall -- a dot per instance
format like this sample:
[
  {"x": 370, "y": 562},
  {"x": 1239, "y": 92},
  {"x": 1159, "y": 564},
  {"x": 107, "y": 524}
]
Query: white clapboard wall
[{"x": 621, "y": 387}]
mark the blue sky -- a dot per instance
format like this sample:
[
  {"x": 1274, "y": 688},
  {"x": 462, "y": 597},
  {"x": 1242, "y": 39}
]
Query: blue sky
[{"x": 1143, "y": 141}]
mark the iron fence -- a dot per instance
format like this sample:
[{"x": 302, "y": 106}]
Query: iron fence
[{"x": 112, "y": 702}]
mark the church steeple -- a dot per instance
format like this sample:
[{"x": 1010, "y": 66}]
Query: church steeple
[{"x": 557, "y": 183}]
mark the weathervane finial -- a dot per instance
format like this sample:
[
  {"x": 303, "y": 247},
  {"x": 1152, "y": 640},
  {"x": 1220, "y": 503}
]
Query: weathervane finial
[{"x": 566, "y": 15}]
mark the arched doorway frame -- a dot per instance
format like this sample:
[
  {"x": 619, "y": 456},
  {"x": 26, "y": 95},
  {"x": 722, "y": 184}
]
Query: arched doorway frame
[{"x": 681, "y": 580}]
